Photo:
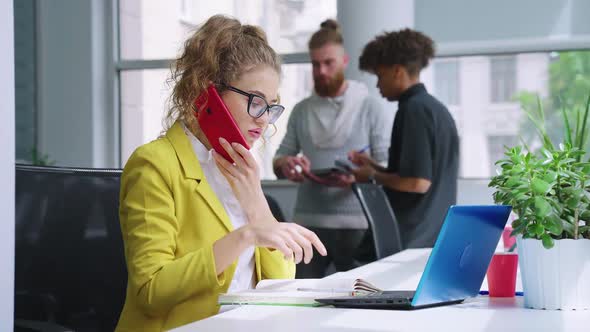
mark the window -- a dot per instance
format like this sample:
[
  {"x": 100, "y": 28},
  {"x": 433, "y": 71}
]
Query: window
[
  {"x": 503, "y": 78},
  {"x": 157, "y": 29},
  {"x": 144, "y": 96},
  {"x": 446, "y": 81},
  {"x": 490, "y": 123},
  {"x": 483, "y": 92}
]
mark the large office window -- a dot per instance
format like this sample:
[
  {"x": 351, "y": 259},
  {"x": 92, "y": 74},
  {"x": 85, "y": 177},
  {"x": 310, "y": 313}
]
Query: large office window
[
  {"x": 495, "y": 89},
  {"x": 484, "y": 92},
  {"x": 157, "y": 29},
  {"x": 484, "y": 73}
]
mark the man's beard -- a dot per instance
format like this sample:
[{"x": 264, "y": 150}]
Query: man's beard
[{"x": 331, "y": 87}]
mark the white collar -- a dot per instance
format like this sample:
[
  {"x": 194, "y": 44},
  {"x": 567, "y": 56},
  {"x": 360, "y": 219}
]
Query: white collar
[{"x": 203, "y": 155}]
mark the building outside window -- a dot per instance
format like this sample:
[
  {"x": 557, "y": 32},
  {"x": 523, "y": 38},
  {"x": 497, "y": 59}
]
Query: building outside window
[
  {"x": 503, "y": 78},
  {"x": 446, "y": 81}
]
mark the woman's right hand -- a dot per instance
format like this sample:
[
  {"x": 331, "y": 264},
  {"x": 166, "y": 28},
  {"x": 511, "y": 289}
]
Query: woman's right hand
[
  {"x": 244, "y": 179},
  {"x": 292, "y": 240},
  {"x": 263, "y": 229}
]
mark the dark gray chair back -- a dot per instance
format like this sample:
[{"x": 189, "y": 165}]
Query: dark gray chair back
[
  {"x": 382, "y": 222},
  {"x": 69, "y": 259}
]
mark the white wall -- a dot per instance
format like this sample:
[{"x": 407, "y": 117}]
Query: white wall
[{"x": 7, "y": 165}]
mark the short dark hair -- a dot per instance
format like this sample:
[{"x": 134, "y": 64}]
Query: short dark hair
[
  {"x": 329, "y": 32},
  {"x": 409, "y": 48}
]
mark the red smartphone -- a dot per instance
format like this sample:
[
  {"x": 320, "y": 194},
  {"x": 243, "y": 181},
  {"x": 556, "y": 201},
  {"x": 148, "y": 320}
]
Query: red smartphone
[{"x": 216, "y": 121}]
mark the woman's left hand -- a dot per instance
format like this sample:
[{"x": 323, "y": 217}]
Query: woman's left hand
[{"x": 244, "y": 178}]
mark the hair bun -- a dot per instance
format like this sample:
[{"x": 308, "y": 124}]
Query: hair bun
[{"x": 330, "y": 24}]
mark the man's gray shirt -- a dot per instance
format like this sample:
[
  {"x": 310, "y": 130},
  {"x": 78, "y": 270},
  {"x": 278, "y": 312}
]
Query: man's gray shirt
[{"x": 331, "y": 207}]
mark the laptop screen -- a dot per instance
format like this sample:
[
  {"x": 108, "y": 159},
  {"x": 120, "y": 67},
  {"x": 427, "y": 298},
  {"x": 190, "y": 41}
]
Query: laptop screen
[{"x": 459, "y": 260}]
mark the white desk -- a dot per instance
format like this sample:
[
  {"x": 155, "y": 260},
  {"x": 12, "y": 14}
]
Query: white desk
[{"x": 400, "y": 271}]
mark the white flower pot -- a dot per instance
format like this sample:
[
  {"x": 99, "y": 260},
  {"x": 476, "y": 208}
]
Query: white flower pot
[{"x": 556, "y": 278}]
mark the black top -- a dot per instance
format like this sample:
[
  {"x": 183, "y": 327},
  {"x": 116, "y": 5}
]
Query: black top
[{"x": 424, "y": 144}]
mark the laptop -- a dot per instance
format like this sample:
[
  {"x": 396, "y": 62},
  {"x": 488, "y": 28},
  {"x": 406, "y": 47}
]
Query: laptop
[{"x": 456, "y": 267}]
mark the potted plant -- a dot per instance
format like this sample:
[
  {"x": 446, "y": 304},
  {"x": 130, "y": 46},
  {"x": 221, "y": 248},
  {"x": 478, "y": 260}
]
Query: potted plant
[{"x": 549, "y": 190}]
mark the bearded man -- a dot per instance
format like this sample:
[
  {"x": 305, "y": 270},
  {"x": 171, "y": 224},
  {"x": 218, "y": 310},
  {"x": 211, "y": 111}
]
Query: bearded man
[{"x": 322, "y": 128}]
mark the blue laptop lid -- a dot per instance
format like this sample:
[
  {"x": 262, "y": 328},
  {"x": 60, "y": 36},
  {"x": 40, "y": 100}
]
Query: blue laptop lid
[{"x": 459, "y": 260}]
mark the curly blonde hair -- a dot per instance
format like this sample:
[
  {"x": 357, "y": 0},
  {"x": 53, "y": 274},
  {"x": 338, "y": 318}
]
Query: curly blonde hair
[{"x": 219, "y": 52}]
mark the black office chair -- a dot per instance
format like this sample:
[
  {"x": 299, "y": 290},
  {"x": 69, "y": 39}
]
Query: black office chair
[
  {"x": 275, "y": 208},
  {"x": 69, "y": 259},
  {"x": 383, "y": 225}
]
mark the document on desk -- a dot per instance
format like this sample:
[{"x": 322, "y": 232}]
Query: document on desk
[{"x": 296, "y": 292}]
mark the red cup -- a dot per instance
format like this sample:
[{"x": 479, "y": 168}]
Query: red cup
[
  {"x": 502, "y": 274},
  {"x": 508, "y": 240}
]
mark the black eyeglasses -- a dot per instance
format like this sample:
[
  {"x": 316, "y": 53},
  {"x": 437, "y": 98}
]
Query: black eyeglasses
[{"x": 257, "y": 105}]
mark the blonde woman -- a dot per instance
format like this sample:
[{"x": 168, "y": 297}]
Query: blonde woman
[{"x": 195, "y": 225}]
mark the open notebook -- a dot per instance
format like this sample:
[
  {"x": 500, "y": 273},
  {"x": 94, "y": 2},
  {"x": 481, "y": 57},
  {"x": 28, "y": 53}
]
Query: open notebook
[{"x": 297, "y": 292}]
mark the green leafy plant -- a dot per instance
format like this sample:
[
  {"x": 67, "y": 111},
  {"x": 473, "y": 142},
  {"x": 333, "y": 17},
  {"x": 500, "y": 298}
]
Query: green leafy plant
[
  {"x": 549, "y": 189},
  {"x": 39, "y": 159}
]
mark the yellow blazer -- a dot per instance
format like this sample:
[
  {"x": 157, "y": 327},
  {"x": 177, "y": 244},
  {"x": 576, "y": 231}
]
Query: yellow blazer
[{"x": 170, "y": 218}]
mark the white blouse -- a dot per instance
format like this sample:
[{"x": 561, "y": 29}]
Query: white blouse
[{"x": 244, "y": 274}]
